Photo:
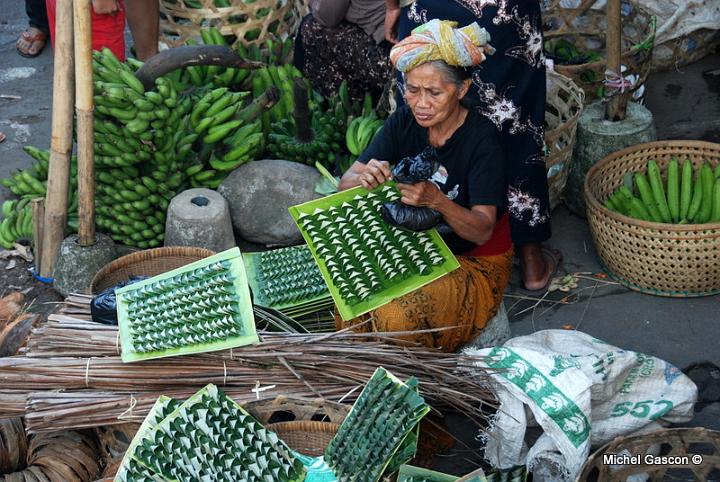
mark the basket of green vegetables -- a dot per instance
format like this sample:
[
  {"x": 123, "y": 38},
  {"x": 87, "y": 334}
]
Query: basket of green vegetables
[{"x": 654, "y": 214}]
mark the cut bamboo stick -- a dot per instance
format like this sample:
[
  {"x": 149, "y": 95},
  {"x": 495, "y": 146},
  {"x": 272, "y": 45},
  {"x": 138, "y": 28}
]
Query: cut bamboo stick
[
  {"x": 56, "y": 200},
  {"x": 38, "y": 214},
  {"x": 616, "y": 107},
  {"x": 84, "y": 111}
]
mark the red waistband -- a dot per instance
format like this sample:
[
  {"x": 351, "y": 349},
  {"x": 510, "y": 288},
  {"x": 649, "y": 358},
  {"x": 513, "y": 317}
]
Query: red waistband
[{"x": 499, "y": 242}]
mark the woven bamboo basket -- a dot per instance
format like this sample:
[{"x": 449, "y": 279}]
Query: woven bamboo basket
[
  {"x": 150, "y": 262},
  {"x": 681, "y": 442},
  {"x": 661, "y": 259},
  {"x": 585, "y": 27},
  {"x": 685, "y": 50},
  {"x": 307, "y": 426},
  {"x": 248, "y": 22},
  {"x": 562, "y": 112}
]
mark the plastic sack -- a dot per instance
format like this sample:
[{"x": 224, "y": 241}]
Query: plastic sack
[
  {"x": 582, "y": 391},
  {"x": 103, "y": 307},
  {"x": 411, "y": 170}
]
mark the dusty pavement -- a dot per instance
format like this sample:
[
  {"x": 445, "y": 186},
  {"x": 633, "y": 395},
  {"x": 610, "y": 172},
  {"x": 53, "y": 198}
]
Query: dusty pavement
[{"x": 685, "y": 332}]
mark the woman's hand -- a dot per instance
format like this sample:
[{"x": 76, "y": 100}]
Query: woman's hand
[
  {"x": 369, "y": 175},
  {"x": 105, "y": 7},
  {"x": 376, "y": 173},
  {"x": 421, "y": 194},
  {"x": 392, "y": 15}
]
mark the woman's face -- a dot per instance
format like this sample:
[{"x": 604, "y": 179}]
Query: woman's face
[{"x": 430, "y": 96}]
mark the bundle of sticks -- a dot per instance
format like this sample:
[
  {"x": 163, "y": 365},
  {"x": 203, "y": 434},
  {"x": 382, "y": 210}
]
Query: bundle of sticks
[{"x": 71, "y": 375}]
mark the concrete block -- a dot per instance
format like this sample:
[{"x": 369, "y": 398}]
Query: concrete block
[
  {"x": 496, "y": 332},
  {"x": 597, "y": 138},
  {"x": 77, "y": 265},
  {"x": 200, "y": 218}
]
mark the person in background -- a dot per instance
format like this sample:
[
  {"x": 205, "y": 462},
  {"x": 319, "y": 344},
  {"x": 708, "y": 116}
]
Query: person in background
[
  {"x": 108, "y": 25},
  {"x": 33, "y": 39},
  {"x": 468, "y": 189},
  {"x": 509, "y": 90},
  {"x": 344, "y": 40},
  {"x": 143, "y": 17}
]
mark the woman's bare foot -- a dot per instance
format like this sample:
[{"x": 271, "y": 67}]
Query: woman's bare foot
[
  {"x": 539, "y": 265},
  {"x": 31, "y": 42}
]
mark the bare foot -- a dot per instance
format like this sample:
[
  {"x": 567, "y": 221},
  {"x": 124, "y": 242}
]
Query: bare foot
[
  {"x": 539, "y": 265},
  {"x": 31, "y": 42}
]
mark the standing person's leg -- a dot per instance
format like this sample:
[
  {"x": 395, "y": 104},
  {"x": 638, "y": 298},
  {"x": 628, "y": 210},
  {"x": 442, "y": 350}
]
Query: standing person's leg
[
  {"x": 143, "y": 17},
  {"x": 32, "y": 41}
]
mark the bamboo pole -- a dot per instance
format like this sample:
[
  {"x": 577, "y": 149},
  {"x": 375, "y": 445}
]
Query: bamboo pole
[
  {"x": 56, "y": 200},
  {"x": 615, "y": 109},
  {"x": 84, "y": 111},
  {"x": 38, "y": 213}
]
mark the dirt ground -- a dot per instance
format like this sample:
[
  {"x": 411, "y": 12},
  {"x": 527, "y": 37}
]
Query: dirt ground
[{"x": 16, "y": 275}]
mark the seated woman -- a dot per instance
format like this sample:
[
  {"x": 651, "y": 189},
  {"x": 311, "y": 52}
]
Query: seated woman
[
  {"x": 344, "y": 40},
  {"x": 469, "y": 190}
]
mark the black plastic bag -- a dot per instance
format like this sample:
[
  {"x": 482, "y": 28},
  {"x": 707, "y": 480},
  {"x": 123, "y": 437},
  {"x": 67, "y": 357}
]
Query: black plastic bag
[
  {"x": 411, "y": 170},
  {"x": 103, "y": 307}
]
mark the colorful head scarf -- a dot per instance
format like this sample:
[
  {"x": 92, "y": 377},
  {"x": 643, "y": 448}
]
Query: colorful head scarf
[{"x": 440, "y": 40}]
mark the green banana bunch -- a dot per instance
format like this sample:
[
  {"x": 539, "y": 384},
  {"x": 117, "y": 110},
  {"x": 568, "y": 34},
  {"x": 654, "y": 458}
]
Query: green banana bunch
[
  {"x": 361, "y": 132},
  {"x": 272, "y": 52},
  {"x": 282, "y": 78},
  {"x": 284, "y": 144},
  {"x": 17, "y": 223},
  {"x": 675, "y": 199}
]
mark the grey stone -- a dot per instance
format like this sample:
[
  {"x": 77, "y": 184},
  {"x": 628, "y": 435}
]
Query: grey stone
[
  {"x": 597, "y": 138},
  {"x": 496, "y": 332},
  {"x": 260, "y": 193},
  {"x": 77, "y": 265},
  {"x": 200, "y": 218}
]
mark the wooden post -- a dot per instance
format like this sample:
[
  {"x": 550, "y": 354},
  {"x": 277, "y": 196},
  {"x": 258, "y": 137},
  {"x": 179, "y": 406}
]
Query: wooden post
[
  {"x": 38, "y": 213},
  {"x": 616, "y": 107},
  {"x": 84, "y": 111},
  {"x": 56, "y": 200}
]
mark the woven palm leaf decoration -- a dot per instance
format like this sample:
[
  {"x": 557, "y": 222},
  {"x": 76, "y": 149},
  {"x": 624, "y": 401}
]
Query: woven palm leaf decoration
[
  {"x": 208, "y": 438},
  {"x": 287, "y": 280},
  {"x": 408, "y": 473},
  {"x": 203, "y": 306},
  {"x": 365, "y": 261},
  {"x": 383, "y": 416}
]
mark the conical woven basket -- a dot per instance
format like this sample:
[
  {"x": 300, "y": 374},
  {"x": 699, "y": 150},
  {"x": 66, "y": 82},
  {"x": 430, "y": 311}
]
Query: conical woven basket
[
  {"x": 661, "y": 259},
  {"x": 585, "y": 27},
  {"x": 247, "y": 21},
  {"x": 564, "y": 104}
]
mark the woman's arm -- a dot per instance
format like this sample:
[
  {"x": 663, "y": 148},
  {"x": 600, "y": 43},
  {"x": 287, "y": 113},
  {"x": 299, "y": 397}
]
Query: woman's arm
[
  {"x": 369, "y": 175},
  {"x": 475, "y": 224},
  {"x": 330, "y": 12}
]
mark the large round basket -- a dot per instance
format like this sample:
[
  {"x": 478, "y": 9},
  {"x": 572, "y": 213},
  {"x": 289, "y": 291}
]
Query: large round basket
[
  {"x": 685, "y": 50},
  {"x": 305, "y": 425},
  {"x": 585, "y": 28},
  {"x": 247, "y": 21},
  {"x": 661, "y": 259},
  {"x": 562, "y": 111},
  {"x": 150, "y": 262},
  {"x": 694, "y": 451}
]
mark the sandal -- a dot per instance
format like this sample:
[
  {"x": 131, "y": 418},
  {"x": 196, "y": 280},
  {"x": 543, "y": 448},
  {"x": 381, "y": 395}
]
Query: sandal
[
  {"x": 553, "y": 258},
  {"x": 36, "y": 40}
]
